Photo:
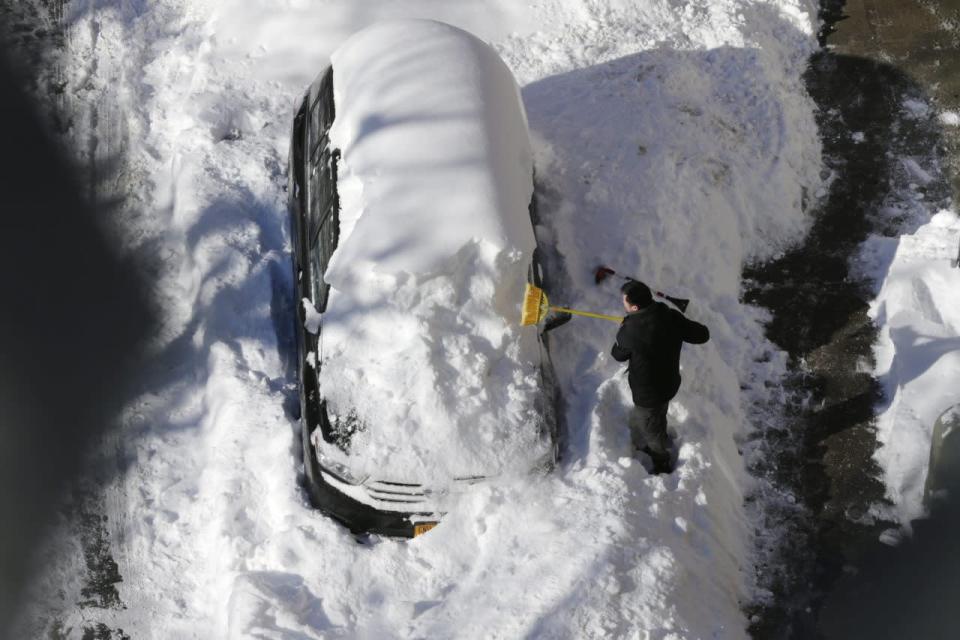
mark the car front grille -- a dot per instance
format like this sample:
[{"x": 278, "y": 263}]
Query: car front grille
[
  {"x": 397, "y": 492},
  {"x": 402, "y": 495}
]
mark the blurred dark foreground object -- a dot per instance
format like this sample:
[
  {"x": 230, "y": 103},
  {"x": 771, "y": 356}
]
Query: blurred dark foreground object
[
  {"x": 910, "y": 590},
  {"x": 71, "y": 318}
]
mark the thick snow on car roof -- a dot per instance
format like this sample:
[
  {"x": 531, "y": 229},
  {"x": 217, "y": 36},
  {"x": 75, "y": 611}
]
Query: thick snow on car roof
[
  {"x": 435, "y": 148},
  {"x": 420, "y": 339}
]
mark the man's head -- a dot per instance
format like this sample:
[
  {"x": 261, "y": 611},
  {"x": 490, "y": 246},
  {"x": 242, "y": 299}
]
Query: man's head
[{"x": 636, "y": 295}]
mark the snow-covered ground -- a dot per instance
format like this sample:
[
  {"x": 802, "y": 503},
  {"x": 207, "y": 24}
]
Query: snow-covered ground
[{"x": 673, "y": 140}]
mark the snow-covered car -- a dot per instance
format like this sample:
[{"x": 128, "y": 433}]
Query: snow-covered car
[{"x": 410, "y": 197}]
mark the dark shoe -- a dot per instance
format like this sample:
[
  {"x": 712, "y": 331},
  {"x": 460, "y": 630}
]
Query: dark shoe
[
  {"x": 662, "y": 466},
  {"x": 661, "y": 462}
]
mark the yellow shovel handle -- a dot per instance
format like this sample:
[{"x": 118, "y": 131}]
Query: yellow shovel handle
[{"x": 588, "y": 314}]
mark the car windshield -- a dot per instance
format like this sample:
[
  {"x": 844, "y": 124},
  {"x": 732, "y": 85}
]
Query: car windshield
[{"x": 439, "y": 372}]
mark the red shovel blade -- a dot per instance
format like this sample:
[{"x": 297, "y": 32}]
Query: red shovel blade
[{"x": 602, "y": 273}]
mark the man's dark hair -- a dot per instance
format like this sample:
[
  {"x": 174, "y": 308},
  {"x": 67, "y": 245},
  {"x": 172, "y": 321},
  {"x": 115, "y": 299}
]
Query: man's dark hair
[{"x": 637, "y": 293}]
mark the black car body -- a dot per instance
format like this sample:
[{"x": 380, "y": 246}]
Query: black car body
[{"x": 382, "y": 506}]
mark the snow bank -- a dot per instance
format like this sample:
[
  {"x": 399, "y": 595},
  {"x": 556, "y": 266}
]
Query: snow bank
[
  {"x": 420, "y": 338},
  {"x": 918, "y": 351},
  {"x": 672, "y": 137},
  {"x": 915, "y": 307}
]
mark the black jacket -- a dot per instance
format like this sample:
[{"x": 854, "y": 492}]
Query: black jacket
[{"x": 651, "y": 339}]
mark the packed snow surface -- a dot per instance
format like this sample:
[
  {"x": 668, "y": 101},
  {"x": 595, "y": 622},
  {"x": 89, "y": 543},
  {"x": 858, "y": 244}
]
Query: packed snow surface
[
  {"x": 672, "y": 140},
  {"x": 420, "y": 340}
]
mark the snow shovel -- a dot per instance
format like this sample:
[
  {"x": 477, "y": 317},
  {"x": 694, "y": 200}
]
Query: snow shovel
[
  {"x": 603, "y": 272},
  {"x": 536, "y": 307}
]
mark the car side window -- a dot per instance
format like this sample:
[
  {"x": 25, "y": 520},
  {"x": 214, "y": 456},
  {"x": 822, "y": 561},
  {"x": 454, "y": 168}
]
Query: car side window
[
  {"x": 321, "y": 170},
  {"x": 325, "y": 243},
  {"x": 320, "y": 191},
  {"x": 321, "y": 116},
  {"x": 320, "y": 289},
  {"x": 324, "y": 224},
  {"x": 325, "y": 240}
]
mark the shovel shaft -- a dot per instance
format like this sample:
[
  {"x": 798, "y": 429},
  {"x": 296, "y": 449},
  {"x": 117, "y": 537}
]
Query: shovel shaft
[
  {"x": 588, "y": 314},
  {"x": 680, "y": 303}
]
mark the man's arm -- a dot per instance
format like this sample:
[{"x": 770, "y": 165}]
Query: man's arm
[
  {"x": 619, "y": 352},
  {"x": 692, "y": 332}
]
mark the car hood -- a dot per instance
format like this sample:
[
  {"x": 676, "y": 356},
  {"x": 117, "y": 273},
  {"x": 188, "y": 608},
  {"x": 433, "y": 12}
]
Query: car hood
[{"x": 438, "y": 375}]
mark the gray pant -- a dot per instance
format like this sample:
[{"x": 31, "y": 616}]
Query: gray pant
[{"x": 648, "y": 430}]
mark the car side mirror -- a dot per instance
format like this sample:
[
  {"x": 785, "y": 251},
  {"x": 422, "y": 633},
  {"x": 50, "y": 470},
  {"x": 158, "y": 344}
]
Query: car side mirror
[{"x": 556, "y": 319}]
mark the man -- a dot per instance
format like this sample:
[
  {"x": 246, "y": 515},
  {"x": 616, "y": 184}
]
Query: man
[{"x": 650, "y": 337}]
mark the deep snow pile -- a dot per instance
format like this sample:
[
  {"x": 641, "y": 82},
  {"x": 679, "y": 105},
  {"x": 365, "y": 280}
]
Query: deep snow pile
[
  {"x": 421, "y": 343},
  {"x": 915, "y": 306},
  {"x": 672, "y": 138},
  {"x": 918, "y": 351}
]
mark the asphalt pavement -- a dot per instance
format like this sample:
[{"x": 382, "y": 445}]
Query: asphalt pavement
[{"x": 876, "y": 55}]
